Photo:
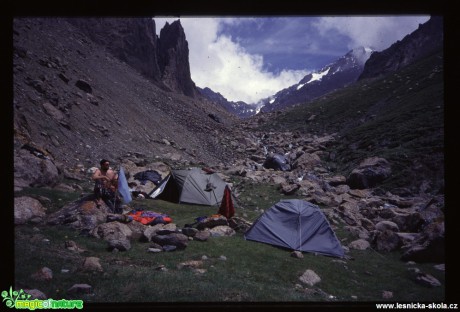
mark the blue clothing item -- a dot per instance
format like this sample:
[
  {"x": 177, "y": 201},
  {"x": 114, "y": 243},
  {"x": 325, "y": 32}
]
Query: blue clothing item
[
  {"x": 149, "y": 175},
  {"x": 123, "y": 187}
]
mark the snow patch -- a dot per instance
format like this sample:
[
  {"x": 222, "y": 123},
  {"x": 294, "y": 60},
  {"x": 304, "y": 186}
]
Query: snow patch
[{"x": 318, "y": 76}]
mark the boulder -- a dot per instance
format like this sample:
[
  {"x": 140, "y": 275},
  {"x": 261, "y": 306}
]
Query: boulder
[
  {"x": 28, "y": 210},
  {"x": 369, "y": 173},
  {"x": 34, "y": 169},
  {"x": 82, "y": 214},
  {"x": 174, "y": 239},
  {"x": 310, "y": 278},
  {"x": 427, "y": 246},
  {"x": 359, "y": 244},
  {"x": 387, "y": 241}
]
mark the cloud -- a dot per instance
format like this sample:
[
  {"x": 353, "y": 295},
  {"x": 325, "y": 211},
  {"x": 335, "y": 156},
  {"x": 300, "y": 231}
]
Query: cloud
[
  {"x": 221, "y": 64},
  {"x": 378, "y": 32}
]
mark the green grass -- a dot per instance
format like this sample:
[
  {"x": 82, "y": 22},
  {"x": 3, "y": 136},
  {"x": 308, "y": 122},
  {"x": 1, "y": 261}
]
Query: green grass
[{"x": 252, "y": 272}]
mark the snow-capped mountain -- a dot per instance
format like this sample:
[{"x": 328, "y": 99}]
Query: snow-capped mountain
[
  {"x": 336, "y": 75},
  {"x": 333, "y": 76}
]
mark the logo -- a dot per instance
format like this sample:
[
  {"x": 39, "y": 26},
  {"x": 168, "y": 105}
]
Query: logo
[{"x": 21, "y": 300}]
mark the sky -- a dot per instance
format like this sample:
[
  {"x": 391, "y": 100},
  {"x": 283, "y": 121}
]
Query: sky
[{"x": 251, "y": 58}]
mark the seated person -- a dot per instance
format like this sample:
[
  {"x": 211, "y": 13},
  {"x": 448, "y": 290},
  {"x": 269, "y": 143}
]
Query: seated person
[{"x": 105, "y": 187}]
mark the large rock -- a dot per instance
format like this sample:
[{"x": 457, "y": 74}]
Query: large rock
[
  {"x": 116, "y": 234},
  {"x": 222, "y": 230},
  {"x": 92, "y": 264},
  {"x": 387, "y": 241},
  {"x": 386, "y": 225},
  {"x": 369, "y": 173},
  {"x": 28, "y": 210},
  {"x": 112, "y": 229},
  {"x": 211, "y": 222},
  {"x": 306, "y": 161},
  {"x": 310, "y": 278},
  {"x": 150, "y": 231},
  {"x": 359, "y": 244},
  {"x": 408, "y": 222},
  {"x": 31, "y": 170},
  {"x": 428, "y": 246},
  {"x": 202, "y": 236},
  {"x": 175, "y": 239},
  {"x": 174, "y": 59},
  {"x": 82, "y": 214}
]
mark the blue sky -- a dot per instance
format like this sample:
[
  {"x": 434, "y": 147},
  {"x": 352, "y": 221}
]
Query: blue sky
[{"x": 250, "y": 58}]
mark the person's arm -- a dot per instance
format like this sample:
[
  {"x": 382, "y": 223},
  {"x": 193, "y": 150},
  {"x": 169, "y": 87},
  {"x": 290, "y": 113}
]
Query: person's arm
[{"x": 98, "y": 176}]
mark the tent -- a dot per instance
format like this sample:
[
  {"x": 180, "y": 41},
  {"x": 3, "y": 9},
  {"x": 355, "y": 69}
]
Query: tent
[
  {"x": 297, "y": 225},
  {"x": 191, "y": 186}
]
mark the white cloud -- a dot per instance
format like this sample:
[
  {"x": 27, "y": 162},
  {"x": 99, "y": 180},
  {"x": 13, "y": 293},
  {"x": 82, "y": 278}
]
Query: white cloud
[
  {"x": 222, "y": 65},
  {"x": 378, "y": 32}
]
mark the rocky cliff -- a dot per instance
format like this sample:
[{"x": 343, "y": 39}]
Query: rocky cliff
[
  {"x": 162, "y": 59},
  {"x": 428, "y": 38},
  {"x": 174, "y": 64}
]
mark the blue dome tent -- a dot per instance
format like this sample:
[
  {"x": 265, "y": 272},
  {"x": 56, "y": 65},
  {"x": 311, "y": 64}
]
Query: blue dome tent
[{"x": 297, "y": 225}]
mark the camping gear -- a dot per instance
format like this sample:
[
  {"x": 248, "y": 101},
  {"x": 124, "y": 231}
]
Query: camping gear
[
  {"x": 297, "y": 225},
  {"x": 277, "y": 162},
  {"x": 226, "y": 207},
  {"x": 149, "y": 217},
  {"x": 148, "y": 175},
  {"x": 123, "y": 187},
  {"x": 191, "y": 186}
]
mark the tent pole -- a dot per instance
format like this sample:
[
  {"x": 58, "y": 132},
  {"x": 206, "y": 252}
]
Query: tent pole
[
  {"x": 217, "y": 202},
  {"x": 212, "y": 187}
]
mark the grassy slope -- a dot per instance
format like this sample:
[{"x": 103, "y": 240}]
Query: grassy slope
[{"x": 252, "y": 272}]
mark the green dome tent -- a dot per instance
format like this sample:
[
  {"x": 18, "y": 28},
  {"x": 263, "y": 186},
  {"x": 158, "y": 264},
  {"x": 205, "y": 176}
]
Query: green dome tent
[
  {"x": 297, "y": 225},
  {"x": 191, "y": 186}
]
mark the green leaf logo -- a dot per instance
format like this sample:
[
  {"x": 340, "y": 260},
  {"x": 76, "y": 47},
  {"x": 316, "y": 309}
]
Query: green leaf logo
[{"x": 11, "y": 296}]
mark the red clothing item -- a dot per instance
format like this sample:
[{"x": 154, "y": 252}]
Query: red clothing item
[
  {"x": 226, "y": 207},
  {"x": 148, "y": 217}
]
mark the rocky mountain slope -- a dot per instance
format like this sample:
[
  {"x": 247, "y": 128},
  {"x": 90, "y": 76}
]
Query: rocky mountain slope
[
  {"x": 240, "y": 108},
  {"x": 429, "y": 37},
  {"x": 76, "y": 102}
]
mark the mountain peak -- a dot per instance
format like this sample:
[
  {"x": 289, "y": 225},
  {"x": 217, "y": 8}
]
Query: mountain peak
[
  {"x": 361, "y": 54},
  {"x": 343, "y": 71}
]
